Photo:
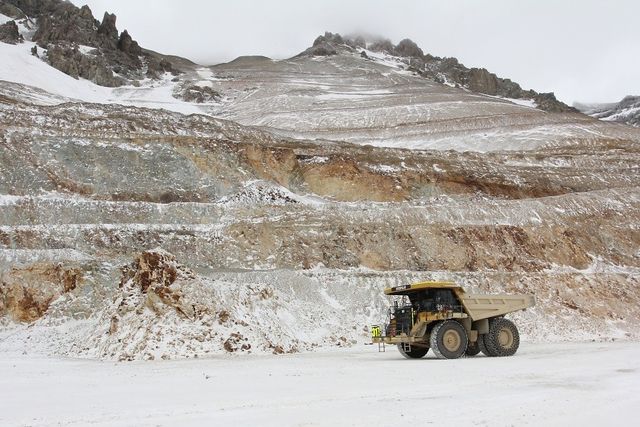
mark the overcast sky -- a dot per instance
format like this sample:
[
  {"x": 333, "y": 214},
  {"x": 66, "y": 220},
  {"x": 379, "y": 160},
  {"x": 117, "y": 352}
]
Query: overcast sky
[{"x": 583, "y": 50}]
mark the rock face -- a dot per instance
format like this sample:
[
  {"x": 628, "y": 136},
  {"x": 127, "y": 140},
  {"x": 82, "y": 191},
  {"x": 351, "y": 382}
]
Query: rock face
[
  {"x": 480, "y": 80},
  {"x": 127, "y": 45},
  {"x": 26, "y": 293},
  {"x": 11, "y": 10},
  {"x": 69, "y": 60},
  {"x": 9, "y": 33}
]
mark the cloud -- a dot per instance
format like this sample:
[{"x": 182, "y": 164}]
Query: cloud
[{"x": 583, "y": 50}]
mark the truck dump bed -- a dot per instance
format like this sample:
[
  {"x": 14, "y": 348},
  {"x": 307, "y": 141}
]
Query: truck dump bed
[
  {"x": 477, "y": 306},
  {"x": 485, "y": 306}
]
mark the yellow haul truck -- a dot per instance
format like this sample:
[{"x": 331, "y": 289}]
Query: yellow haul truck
[{"x": 443, "y": 317}]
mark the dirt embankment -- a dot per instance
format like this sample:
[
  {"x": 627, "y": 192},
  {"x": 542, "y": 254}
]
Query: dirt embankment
[{"x": 27, "y": 292}]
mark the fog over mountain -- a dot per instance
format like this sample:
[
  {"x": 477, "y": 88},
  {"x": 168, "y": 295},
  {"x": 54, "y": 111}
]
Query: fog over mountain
[{"x": 582, "y": 51}]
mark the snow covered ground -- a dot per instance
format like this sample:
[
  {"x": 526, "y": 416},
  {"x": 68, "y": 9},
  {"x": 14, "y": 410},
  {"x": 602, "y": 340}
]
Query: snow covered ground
[{"x": 544, "y": 384}]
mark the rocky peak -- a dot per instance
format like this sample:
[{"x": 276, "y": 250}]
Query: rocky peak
[
  {"x": 108, "y": 28},
  {"x": 325, "y": 45},
  {"x": 328, "y": 37}
]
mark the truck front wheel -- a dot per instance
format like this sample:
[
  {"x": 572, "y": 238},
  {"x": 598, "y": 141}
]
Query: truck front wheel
[
  {"x": 449, "y": 340},
  {"x": 414, "y": 353}
]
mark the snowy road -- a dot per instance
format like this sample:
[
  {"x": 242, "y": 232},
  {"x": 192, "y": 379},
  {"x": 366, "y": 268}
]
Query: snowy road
[{"x": 545, "y": 384}]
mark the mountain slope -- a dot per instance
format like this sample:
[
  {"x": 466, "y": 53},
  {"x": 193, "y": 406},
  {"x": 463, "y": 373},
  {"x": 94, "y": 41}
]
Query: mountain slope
[
  {"x": 380, "y": 102},
  {"x": 626, "y": 111}
]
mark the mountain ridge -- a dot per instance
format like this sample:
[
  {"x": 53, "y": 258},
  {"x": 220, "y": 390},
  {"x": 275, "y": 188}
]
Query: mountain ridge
[
  {"x": 117, "y": 59},
  {"x": 442, "y": 70},
  {"x": 626, "y": 111}
]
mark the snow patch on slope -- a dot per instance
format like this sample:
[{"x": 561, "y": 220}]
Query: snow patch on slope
[{"x": 18, "y": 65}]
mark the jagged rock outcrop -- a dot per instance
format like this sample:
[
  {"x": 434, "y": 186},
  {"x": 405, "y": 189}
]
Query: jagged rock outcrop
[
  {"x": 116, "y": 57},
  {"x": 69, "y": 60},
  {"x": 127, "y": 45},
  {"x": 67, "y": 23},
  {"x": 108, "y": 28},
  {"x": 325, "y": 45},
  {"x": 9, "y": 33}
]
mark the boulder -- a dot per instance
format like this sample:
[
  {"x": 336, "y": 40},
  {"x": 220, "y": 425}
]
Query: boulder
[
  {"x": 9, "y": 33},
  {"x": 199, "y": 94}
]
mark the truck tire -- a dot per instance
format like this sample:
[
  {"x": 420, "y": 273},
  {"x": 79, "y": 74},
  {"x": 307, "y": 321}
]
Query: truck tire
[
  {"x": 472, "y": 349},
  {"x": 503, "y": 338},
  {"x": 415, "y": 353},
  {"x": 449, "y": 339},
  {"x": 482, "y": 347}
]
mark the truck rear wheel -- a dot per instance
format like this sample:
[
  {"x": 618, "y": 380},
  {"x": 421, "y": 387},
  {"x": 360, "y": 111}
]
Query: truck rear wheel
[
  {"x": 449, "y": 340},
  {"x": 473, "y": 349},
  {"x": 414, "y": 353},
  {"x": 482, "y": 347},
  {"x": 503, "y": 338}
]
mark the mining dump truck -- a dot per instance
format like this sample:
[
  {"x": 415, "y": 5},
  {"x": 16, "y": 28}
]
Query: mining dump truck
[{"x": 443, "y": 317}]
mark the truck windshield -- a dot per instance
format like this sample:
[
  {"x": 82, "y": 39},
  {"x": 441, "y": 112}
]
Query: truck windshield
[{"x": 434, "y": 300}]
